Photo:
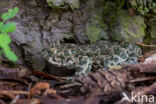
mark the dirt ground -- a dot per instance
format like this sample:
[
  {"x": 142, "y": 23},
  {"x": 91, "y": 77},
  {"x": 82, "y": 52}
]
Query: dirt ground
[{"x": 20, "y": 86}]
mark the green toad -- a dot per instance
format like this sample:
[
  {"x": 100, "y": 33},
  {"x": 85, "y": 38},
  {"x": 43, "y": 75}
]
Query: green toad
[{"x": 83, "y": 58}]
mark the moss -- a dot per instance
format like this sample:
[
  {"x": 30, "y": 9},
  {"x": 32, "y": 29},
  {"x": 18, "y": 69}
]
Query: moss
[
  {"x": 95, "y": 33},
  {"x": 131, "y": 28},
  {"x": 73, "y": 4},
  {"x": 95, "y": 28},
  {"x": 152, "y": 23}
]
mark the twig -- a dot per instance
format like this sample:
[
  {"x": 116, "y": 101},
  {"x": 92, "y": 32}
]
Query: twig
[
  {"x": 142, "y": 79},
  {"x": 13, "y": 92},
  {"x": 145, "y": 45},
  {"x": 70, "y": 85}
]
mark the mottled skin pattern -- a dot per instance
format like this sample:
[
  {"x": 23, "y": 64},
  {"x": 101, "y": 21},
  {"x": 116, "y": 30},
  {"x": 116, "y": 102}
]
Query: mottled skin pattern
[{"x": 99, "y": 55}]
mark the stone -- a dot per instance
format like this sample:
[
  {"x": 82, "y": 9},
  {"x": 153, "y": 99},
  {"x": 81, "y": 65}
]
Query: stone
[
  {"x": 63, "y": 3},
  {"x": 129, "y": 28},
  {"x": 152, "y": 23}
]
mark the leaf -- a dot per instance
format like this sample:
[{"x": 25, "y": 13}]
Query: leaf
[
  {"x": 5, "y": 40},
  {"x": 4, "y": 44},
  {"x": 1, "y": 26},
  {"x": 9, "y": 27},
  {"x": 9, "y": 54},
  {"x": 10, "y": 14}
]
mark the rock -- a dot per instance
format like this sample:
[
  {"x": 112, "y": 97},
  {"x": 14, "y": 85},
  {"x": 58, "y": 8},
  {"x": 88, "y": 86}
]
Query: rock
[
  {"x": 36, "y": 28},
  {"x": 88, "y": 24},
  {"x": 28, "y": 38},
  {"x": 154, "y": 8},
  {"x": 152, "y": 24},
  {"x": 95, "y": 26},
  {"x": 152, "y": 31},
  {"x": 63, "y": 3},
  {"x": 95, "y": 29},
  {"x": 129, "y": 28},
  {"x": 79, "y": 19}
]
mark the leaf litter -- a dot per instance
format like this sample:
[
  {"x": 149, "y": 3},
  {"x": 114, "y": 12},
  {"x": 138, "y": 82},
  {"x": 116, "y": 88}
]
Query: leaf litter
[{"x": 20, "y": 86}]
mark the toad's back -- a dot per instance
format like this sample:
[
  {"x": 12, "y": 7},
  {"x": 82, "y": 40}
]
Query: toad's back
[{"x": 100, "y": 54}]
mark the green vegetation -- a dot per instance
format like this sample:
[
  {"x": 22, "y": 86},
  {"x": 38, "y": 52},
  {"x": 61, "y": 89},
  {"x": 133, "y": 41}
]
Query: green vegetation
[
  {"x": 5, "y": 39},
  {"x": 113, "y": 10},
  {"x": 96, "y": 33}
]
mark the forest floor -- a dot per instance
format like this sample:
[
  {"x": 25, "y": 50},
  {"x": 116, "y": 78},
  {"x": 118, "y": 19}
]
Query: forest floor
[{"x": 134, "y": 84}]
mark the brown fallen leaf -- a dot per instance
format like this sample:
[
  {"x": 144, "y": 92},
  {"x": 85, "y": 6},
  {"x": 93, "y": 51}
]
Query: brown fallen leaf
[
  {"x": 146, "y": 55},
  {"x": 38, "y": 87},
  {"x": 12, "y": 93},
  {"x": 51, "y": 100},
  {"x": 148, "y": 66},
  {"x": 36, "y": 90},
  {"x": 28, "y": 101},
  {"x": 151, "y": 90},
  {"x": 16, "y": 80},
  {"x": 8, "y": 72},
  {"x": 142, "y": 79},
  {"x": 24, "y": 72},
  {"x": 42, "y": 74},
  {"x": 103, "y": 82},
  {"x": 151, "y": 59}
]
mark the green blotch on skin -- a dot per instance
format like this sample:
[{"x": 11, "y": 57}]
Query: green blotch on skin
[
  {"x": 79, "y": 69},
  {"x": 73, "y": 51},
  {"x": 66, "y": 53},
  {"x": 123, "y": 55},
  {"x": 82, "y": 62},
  {"x": 116, "y": 59}
]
